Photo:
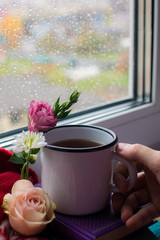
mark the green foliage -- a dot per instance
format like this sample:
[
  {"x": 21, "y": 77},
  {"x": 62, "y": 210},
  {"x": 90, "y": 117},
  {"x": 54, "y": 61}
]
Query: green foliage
[
  {"x": 20, "y": 158},
  {"x": 15, "y": 66},
  {"x": 17, "y": 158},
  {"x": 104, "y": 79},
  {"x": 56, "y": 75},
  {"x": 35, "y": 151},
  {"x": 62, "y": 110}
]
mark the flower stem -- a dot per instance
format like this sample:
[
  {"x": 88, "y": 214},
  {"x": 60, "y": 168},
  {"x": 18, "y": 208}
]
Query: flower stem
[
  {"x": 25, "y": 168},
  {"x": 27, "y": 165},
  {"x": 23, "y": 171}
]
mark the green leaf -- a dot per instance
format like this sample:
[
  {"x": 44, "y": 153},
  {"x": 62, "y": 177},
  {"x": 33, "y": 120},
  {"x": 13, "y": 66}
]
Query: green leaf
[
  {"x": 29, "y": 121},
  {"x": 56, "y": 107},
  {"x": 17, "y": 159},
  {"x": 60, "y": 110},
  {"x": 63, "y": 114},
  {"x": 35, "y": 151},
  {"x": 24, "y": 154},
  {"x": 64, "y": 105}
]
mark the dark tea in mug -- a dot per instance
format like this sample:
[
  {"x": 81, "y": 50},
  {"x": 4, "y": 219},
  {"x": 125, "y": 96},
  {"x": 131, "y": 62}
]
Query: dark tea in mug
[{"x": 76, "y": 143}]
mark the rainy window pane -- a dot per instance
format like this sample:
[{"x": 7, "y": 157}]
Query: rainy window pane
[{"x": 51, "y": 47}]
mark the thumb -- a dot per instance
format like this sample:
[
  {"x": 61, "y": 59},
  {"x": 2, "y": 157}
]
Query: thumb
[{"x": 141, "y": 154}]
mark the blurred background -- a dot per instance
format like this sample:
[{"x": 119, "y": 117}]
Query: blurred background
[{"x": 48, "y": 48}]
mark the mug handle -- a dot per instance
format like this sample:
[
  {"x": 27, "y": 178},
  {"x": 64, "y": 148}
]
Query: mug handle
[{"x": 131, "y": 170}]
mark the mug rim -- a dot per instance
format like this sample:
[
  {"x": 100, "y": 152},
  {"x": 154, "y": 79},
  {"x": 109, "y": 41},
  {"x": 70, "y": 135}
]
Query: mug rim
[{"x": 86, "y": 149}]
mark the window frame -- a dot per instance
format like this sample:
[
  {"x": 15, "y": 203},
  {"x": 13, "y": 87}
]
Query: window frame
[
  {"x": 142, "y": 124},
  {"x": 125, "y": 117}
]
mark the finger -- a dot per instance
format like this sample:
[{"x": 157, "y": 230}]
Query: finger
[
  {"x": 122, "y": 169},
  {"x": 143, "y": 217},
  {"x": 133, "y": 202},
  {"x": 140, "y": 181},
  {"x": 117, "y": 201},
  {"x": 153, "y": 187},
  {"x": 120, "y": 180},
  {"x": 141, "y": 154},
  {"x": 120, "y": 177},
  {"x": 139, "y": 166}
]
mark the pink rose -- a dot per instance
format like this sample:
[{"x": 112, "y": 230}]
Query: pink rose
[
  {"x": 29, "y": 208},
  {"x": 41, "y": 117}
]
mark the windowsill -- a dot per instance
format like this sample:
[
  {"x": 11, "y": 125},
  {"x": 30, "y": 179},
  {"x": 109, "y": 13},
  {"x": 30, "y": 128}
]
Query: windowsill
[{"x": 115, "y": 118}]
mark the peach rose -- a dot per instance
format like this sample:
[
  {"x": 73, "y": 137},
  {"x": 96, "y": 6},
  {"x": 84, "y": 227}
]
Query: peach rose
[{"x": 29, "y": 208}]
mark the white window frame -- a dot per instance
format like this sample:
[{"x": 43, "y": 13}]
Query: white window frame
[{"x": 141, "y": 124}]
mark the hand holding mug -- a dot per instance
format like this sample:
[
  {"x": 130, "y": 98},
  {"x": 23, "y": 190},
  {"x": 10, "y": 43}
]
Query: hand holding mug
[{"x": 146, "y": 191}]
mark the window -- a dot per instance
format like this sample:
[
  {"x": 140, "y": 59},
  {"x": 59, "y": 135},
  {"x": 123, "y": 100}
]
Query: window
[{"x": 51, "y": 47}]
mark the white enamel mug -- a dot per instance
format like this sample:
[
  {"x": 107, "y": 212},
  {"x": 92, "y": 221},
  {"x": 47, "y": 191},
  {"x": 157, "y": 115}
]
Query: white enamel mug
[{"x": 78, "y": 179}]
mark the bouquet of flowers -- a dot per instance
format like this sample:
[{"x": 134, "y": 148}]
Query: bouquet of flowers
[{"x": 29, "y": 208}]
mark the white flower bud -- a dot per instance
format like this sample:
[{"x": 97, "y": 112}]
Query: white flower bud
[{"x": 32, "y": 158}]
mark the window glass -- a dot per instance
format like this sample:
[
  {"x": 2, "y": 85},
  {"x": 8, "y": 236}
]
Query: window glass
[{"x": 52, "y": 47}]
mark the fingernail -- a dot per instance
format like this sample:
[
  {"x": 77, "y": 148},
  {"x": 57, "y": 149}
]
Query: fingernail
[{"x": 121, "y": 146}]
